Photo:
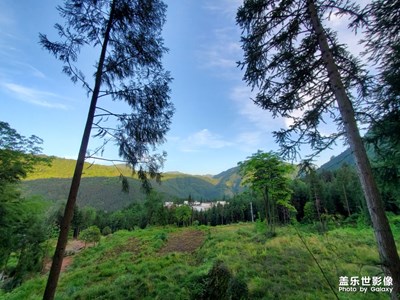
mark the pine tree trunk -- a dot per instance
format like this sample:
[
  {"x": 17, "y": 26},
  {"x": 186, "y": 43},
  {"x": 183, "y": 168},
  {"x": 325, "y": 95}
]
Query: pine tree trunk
[
  {"x": 383, "y": 234},
  {"x": 76, "y": 179}
]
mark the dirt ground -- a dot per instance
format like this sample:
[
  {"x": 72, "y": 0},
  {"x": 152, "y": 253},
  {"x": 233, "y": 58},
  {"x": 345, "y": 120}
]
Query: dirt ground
[
  {"x": 73, "y": 247},
  {"x": 187, "y": 241}
]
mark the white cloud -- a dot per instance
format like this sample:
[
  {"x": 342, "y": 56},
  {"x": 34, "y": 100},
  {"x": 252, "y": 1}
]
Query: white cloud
[
  {"x": 249, "y": 141},
  {"x": 203, "y": 139},
  {"x": 33, "y": 96},
  {"x": 36, "y": 72},
  {"x": 221, "y": 52},
  {"x": 227, "y": 8},
  {"x": 261, "y": 118}
]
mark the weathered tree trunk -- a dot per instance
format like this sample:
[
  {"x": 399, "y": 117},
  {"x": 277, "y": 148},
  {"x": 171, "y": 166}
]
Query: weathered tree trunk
[
  {"x": 76, "y": 179},
  {"x": 383, "y": 234}
]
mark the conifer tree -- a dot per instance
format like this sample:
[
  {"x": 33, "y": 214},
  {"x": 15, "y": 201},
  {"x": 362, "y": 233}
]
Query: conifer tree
[
  {"x": 303, "y": 73},
  {"x": 382, "y": 47},
  {"x": 127, "y": 35}
]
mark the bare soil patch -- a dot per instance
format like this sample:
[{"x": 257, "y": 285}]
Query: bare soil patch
[
  {"x": 132, "y": 245},
  {"x": 186, "y": 241},
  {"x": 72, "y": 248}
]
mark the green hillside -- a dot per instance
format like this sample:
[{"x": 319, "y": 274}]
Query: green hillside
[
  {"x": 346, "y": 157},
  {"x": 101, "y": 188},
  {"x": 202, "y": 262},
  {"x": 64, "y": 168}
]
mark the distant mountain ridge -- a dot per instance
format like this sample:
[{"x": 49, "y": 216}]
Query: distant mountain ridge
[
  {"x": 101, "y": 187},
  {"x": 346, "y": 157}
]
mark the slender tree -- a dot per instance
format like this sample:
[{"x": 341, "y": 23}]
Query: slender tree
[
  {"x": 303, "y": 73},
  {"x": 267, "y": 174},
  {"x": 127, "y": 35}
]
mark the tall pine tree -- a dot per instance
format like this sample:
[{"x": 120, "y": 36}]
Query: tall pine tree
[
  {"x": 127, "y": 35},
  {"x": 299, "y": 68}
]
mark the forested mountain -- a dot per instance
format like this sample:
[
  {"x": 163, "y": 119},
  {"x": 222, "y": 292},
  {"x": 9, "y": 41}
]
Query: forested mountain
[
  {"x": 346, "y": 157},
  {"x": 101, "y": 187}
]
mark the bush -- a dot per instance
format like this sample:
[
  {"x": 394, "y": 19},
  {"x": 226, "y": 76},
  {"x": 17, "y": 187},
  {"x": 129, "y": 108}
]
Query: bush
[
  {"x": 238, "y": 289},
  {"x": 219, "y": 284},
  {"x": 310, "y": 213},
  {"x": 91, "y": 235},
  {"x": 218, "y": 281},
  {"x": 106, "y": 231}
]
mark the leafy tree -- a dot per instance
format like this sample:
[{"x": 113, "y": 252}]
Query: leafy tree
[
  {"x": 183, "y": 214},
  {"x": 18, "y": 155},
  {"x": 298, "y": 65},
  {"x": 21, "y": 230},
  {"x": 91, "y": 234},
  {"x": 129, "y": 69},
  {"x": 106, "y": 231},
  {"x": 310, "y": 212},
  {"x": 267, "y": 174}
]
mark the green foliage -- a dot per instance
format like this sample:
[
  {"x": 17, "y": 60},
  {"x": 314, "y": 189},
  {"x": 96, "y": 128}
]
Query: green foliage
[
  {"x": 310, "y": 214},
  {"x": 183, "y": 214},
  {"x": 283, "y": 60},
  {"x": 266, "y": 174},
  {"x": 127, "y": 265},
  {"x": 260, "y": 226},
  {"x": 23, "y": 231},
  {"x": 218, "y": 280},
  {"x": 22, "y": 226},
  {"x": 18, "y": 155},
  {"x": 106, "y": 231},
  {"x": 91, "y": 235},
  {"x": 101, "y": 189},
  {"x": 64, "y": 168},
  {"x": 124, "y": 72}
]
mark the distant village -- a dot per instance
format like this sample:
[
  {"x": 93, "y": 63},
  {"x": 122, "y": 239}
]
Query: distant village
[{"x": 197, "y": 206}]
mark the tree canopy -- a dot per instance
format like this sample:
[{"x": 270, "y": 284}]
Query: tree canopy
[
  {"x": 18, "y": 154},
  {"x": 267, "y": 174},
  {"x": 283, "y": 63}
]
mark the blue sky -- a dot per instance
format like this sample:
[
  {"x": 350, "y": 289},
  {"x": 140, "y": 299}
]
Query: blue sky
[{"x": 215, "y": 125}]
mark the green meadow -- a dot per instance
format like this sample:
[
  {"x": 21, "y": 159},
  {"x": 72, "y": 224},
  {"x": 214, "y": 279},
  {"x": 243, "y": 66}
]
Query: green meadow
[{"x": 180, "y": 263}]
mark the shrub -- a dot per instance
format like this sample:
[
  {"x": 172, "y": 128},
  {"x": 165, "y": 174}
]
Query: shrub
[
  {"x": 238, "y": 289},
  {"x": 91, "y": 235},
  {"x": 219, "y": 284},
  {"x": 106, "y": 231},
  {"x": 310, "y": 213}
]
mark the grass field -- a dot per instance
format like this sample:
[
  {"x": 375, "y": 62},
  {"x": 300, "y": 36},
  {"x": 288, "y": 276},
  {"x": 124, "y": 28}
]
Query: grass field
[{"x": 175, "y": 263}]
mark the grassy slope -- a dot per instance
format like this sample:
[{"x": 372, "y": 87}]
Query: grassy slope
[{"x": 128, "y": 265}]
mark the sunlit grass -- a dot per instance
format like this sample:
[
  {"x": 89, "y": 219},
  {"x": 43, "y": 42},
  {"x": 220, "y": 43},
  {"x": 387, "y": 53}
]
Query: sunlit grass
[{"x": 128, "y": 265}]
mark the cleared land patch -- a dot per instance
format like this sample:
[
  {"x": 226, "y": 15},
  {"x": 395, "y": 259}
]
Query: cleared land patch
[{"x": 184, "y": 241}]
